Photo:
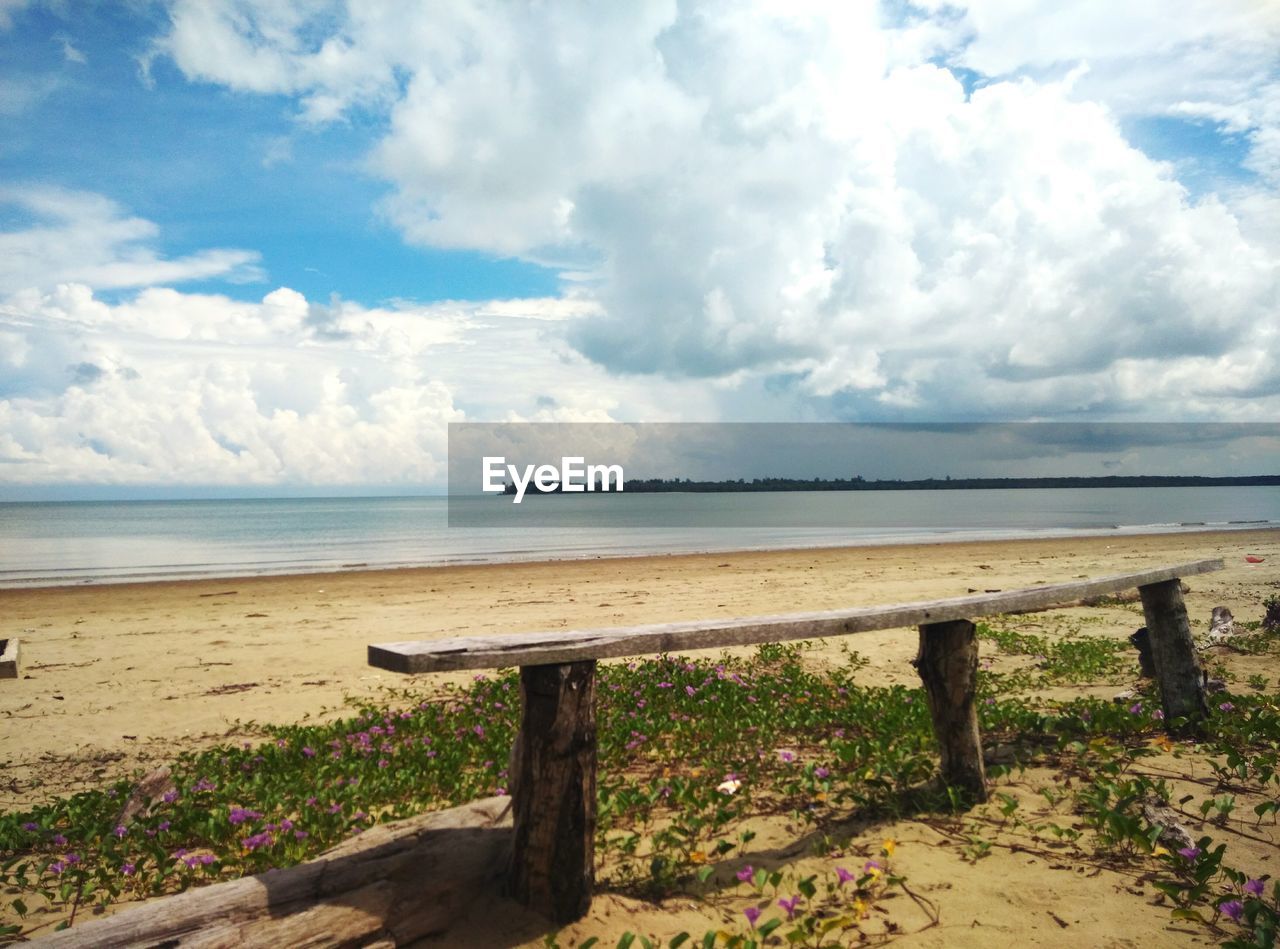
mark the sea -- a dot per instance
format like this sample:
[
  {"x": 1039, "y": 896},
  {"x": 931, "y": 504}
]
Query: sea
[{"x": 88, "y": 542}]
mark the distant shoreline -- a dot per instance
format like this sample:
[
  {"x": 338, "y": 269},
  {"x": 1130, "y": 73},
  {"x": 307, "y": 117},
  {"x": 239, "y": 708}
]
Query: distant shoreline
[{"x": 667, "y": 485}]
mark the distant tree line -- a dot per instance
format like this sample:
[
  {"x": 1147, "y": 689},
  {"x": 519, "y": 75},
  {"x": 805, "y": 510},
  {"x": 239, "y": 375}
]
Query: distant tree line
[{"x": 858, "y": 483}]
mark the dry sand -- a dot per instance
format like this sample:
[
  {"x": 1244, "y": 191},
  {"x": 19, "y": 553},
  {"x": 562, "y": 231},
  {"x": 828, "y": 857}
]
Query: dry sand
[{"x": 121, "y": 677}]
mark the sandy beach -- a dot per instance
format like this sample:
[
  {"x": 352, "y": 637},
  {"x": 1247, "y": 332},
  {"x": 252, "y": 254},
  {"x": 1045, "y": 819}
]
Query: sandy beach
[{"x": 118, "y": 678}]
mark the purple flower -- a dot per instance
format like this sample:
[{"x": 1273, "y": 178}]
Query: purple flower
[
  {"x": 786, "y": 756},
  {"x": 1135, "y": 708},
  {"x": 335, "y": 808},
  {"x": 257, "y": 840},
  {"x": 844, "y": 876},
  {"x": 72, "y": 858},
  {"x": 1226, "y": 707},
  {"x": 790, "y": 906},
  {"x": 31, "y": 827},
  {"x": 1189, "y": 853},
  {"x": 1253, "y": 887},
  {"x": 752, "y": 915},
  {"x": 120, "y": 830},
  {"x": 1158, "y": 715},
  {"x": 1232, "y": 909},
  {"x": 821, "y": 773},
  {"x": 479, "y": 730},
  {"x": 169, "y": 797},
  {"x": 59, "y": 840},
  {"x": 57, "y": 866},
  {"x": 239, "y": 815},
  {"x": 690, "y": 690},
  {"x": 668, "y": 685},
  {"x": 871, "y": 865},
  {"x": 308, "y": 752},
  {"x": 128, "y": 869},
  {"x": 300, "y": 835},
  {"x": 746, "y": 874},
  {"x": 204, "y": 784}
]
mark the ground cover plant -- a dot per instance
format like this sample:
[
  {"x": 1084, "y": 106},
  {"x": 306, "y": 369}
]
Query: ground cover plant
[{"x": 776, "y": 736}]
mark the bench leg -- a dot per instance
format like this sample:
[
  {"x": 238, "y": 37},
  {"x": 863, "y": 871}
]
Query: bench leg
[
  {"x": 948, "y": 666},
  {"x": 1174, "y": 654},
  {"x": 554, "y": 791}
]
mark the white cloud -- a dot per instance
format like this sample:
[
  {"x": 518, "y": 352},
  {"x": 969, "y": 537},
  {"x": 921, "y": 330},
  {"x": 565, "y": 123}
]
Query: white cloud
[
  {"x": 1215, "y": 60},
  {"x": 7, "y": 9},
  {"x": 70, "y": 53},
  {"x": 21, "y": 95},
  {"x": 800, "y": 193},
  {"x": 171, "y": 387},
  {"x": 78, "y": 236}
]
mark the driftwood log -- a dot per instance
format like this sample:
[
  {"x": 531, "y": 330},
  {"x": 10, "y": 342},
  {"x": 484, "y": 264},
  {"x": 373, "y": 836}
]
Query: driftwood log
[{"x": 391, "y": 885}]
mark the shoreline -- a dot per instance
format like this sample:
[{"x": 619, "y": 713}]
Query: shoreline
[
  {"x": 956, "y": 537},
  {"x": 121, "y": 677}
]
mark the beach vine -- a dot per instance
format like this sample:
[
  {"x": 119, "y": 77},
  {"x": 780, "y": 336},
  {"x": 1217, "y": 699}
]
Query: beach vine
[{"x": 776, "y": 735}]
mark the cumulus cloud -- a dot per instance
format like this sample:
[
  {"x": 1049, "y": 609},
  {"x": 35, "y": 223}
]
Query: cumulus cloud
[
  {"x": 815, "y": 198},
  {"x": 82, "y": 237},
  {"x": 172, "y": 387}
]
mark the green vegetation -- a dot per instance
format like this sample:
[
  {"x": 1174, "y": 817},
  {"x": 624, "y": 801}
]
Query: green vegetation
[{"x": 776, "y": 736}]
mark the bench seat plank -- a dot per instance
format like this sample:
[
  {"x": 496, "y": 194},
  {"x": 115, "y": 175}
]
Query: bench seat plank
[{"x": 561, "y": 646}]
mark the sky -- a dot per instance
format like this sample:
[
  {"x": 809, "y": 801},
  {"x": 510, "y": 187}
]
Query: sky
[{"x": 266, "y": 246}]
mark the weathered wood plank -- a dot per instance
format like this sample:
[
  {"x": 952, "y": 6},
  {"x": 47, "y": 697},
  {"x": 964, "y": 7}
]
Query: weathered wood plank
[
  {"x": 554, "y": 791},
  {"x": 550, "y": 648},
  {"x": 398, "y": 882},
  {"x": 1173, "y": 652},
  {"x": 948, "y": 667}
]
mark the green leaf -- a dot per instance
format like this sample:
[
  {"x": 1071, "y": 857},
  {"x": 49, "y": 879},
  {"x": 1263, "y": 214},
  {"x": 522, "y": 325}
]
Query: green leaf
[
  {"x": 587, "y": 944},
  {"x": 769, "y": 927},
  {"x": 704, "y": 873},
  {"x": 678, "y": 940},
  {"x": 625, "y": 941}
]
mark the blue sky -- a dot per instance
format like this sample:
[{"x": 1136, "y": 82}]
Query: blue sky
[
  {"x": 293, "y": 242},
  {"x": 198, "y": 160}
]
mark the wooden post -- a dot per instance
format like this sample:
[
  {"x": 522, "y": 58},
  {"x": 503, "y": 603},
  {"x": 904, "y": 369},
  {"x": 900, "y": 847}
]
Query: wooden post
[
  {"x": 1177, "y": 666},
  {"x": 948, "y": 666},
  {"x": 554, "y": 791}
]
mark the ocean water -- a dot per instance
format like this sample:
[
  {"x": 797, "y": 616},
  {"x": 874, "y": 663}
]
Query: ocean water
[{"x": 109, "y": 541}]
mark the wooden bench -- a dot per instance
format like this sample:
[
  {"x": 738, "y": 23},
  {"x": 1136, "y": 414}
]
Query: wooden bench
[{"x": 553, "y": 773}]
